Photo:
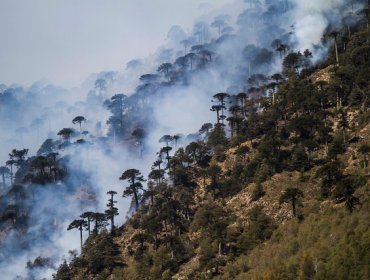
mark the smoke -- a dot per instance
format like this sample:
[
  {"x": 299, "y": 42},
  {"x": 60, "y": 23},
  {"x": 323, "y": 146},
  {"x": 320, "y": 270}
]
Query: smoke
[
  {"x": 311, "y": 18},
  {"x": 226, "y": 55}
]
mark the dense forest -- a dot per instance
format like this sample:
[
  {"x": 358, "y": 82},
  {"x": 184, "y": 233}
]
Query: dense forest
[{"x": 274, "y": 186}]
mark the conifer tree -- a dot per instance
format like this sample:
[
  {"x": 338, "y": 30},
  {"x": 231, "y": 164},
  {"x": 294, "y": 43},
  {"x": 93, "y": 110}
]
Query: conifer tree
[
  {"x": 135, "y": 179},
  {"x": 291, "y": 195},
  {"x": 88, "y": 216},
  {"x": 77, "y": 224},
  {"x": 112, "y": 210}
]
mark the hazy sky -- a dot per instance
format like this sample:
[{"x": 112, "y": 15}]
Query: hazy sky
[{"x": 66, "y": 40}]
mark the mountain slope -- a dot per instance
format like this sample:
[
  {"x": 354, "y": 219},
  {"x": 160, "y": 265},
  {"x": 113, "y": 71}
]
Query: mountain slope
[{"x": 285, "y": 196}]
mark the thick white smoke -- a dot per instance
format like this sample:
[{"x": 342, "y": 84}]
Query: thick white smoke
[{"x": 312, "y": 17}]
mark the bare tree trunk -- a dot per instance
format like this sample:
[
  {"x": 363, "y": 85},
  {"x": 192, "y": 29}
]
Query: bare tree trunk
[
  {"x": 81, "y": 238},
  {"x": 11, "y": 174},
  {"x": 136, "y": 200},
  {"x": 88, "y": 225}
]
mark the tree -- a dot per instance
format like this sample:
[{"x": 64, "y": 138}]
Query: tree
[
  {"x": 276, "y": 43},
  {"x": 221, "y": 97},
  {"x": 112, "y": 210},
  {"x": 257, "y": 192},
  {"x": 150, "y": 192},
  {"x": 101, "y": 85},
  {"x": 217, "y": 136},
  {"x": 166, "y": 151},
  {"x": 40, "y": 163},
  {"x": 219, "y": 23},
  {"x": 235, "y": 119},
  {"x": 176, "y": 139},
  {"x": 366, "y": 12},
  {"x": 99, "y": 258},
  {"x": 18, "y": 192},
  {"x": 63, "y": 272},
  {"x": 343, "y": 124},
  {"x": 134, "y": 177},
  {"x": 292, "y": 61},
  {"x": 10, "y": 163},
  {"x": 218, "y": 109},
  {"x": 18, "y": 156},
  {"x": 186, "y": 43},
  {"x": 259, "y": 229},
  {"x": 364, "y": 150},
  {"x": 118, "y": 106},
  {"x": 77, "y": 224},
  {"x": 65, "y": 133},
  {"x": 242, "y": 152},
  {"x": 165, "y": 68},
  {"x": 282, "y": 49},
  {"x": 242, "y": 98},
  {"x": 157, "y": 163},
  {"x": 214, "y": 172},
  {"x": 100, "y": 222},
  {"x": 191, "y": 56},
  {"x": 89, "y": 216},
  {"x": 157, "y": 175},
  {"x": 291, "y": 195},
  {"x": 277, "y": 77},
  {"x": 140, "y": 238},
  {"x": 346, "y": 188},
  {"x": 139, "y": 134},
  {"x": 212, "y": 220},
  {"x": 181, "y": 63},
  {"x": 79, "y": 120},
  {"x": 205, "y": 129},
  {"x": 166, "y": 139},
  {"x": 334, "y": 34},
  {"x": 307, "y": 268}
]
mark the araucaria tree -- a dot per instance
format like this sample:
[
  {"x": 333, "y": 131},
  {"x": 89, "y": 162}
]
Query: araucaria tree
[
  {"x": 221, "y": 98},
  {"x": 18, "y": 156},
  {"x": 65, "y": 133},
  {"x": 89, "y": 217},
  {"x": 78, "y": 224},
  {"x": 291, "y": 195},
  {"x": 134, "y": 177},
  {"x": 79, "y": 120},
  {"x": 112, "y": 210},
  {"x": 100, "y": 222},
  {"x": 117, "y": 105}
]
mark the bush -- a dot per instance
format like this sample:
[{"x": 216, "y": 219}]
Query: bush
[{"x": 258, "y": 192}]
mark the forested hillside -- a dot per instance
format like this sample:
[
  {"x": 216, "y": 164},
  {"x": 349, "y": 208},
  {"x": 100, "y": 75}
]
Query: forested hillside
[
  {"x": 274, "y": 185},
  {"x": 284, "y": 196}
]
